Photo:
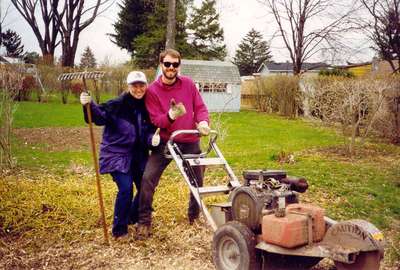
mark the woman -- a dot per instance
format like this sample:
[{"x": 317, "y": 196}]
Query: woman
[{"x": 128, "y": 134}]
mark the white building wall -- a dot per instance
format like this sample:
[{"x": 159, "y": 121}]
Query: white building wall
[{"x": 223, "y": 102}]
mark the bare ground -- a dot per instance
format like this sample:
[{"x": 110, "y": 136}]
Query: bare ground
[
  {"x": 173, "y": 246},
  {"x": 183, "y": 247},
  {"x": 58, "y": 138}
]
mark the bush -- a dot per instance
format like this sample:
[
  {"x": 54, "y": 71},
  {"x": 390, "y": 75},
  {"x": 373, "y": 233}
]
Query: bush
[
  {"x": 77, "y": 88},
  {"x": 336, "y": 72},
  {"x": 48, "y": 76},
  {"x": 10, "y": 86},
  {"x": 28, "y": 85},
  {"x": 387, "y": 122},
  {"x": 113, "y": 82},
  {"x": 354, "y": 103},
  {"x": 278, "y": 94}
]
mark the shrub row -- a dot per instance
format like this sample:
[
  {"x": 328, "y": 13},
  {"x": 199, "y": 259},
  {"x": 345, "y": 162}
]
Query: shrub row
[
  {"x": 361, "y": 106},
  {"x": 112, "y": 83}
]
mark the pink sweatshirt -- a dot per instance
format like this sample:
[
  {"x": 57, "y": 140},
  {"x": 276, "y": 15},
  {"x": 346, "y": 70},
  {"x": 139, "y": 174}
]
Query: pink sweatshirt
[{"x": 184, "y": 90}]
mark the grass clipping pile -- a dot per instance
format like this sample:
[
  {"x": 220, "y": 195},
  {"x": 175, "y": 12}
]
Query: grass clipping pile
[{"x": 50, "y": 222}]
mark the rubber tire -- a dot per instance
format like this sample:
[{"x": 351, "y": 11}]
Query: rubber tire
[
  {"x": 273, "y": 261},
  {"x": 233, "y": 247},
  {"x": 365, "y": 260}
]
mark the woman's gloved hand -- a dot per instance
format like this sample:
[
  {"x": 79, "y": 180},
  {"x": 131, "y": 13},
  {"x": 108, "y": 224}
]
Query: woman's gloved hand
[
  {"x": 85, "y": 98},
  {"x": 155, "y": 140}
]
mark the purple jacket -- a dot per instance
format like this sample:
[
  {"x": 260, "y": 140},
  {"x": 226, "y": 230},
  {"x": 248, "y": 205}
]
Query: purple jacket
[
  {"x": 184, "y": 90},
  {"x": 127, "y": 133}
]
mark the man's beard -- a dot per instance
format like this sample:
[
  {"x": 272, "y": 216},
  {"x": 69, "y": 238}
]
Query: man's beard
[{"x": 170, "y": 77}]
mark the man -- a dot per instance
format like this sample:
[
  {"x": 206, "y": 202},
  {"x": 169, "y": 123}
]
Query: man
[{"x": 174, "y": 103}]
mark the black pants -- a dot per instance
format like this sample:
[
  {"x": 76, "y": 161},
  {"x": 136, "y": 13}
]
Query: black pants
[{"x": 155, "y": 166}]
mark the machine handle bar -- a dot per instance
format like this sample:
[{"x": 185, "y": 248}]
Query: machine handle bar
[
  {"x": 213, "y": 137},
  {"x": 213, "y": 133}
]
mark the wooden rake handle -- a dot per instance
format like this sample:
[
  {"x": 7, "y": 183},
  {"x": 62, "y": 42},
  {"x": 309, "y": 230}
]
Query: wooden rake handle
[{"x": 96, "y": 167}]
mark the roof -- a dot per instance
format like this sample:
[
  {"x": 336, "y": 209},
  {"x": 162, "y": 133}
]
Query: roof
[
  {"x": 210, "y": 71},
  {"x": 2, "y": 59},
  {"x": 288, "y": 66},
  {"x": 11, "y": 60},
  {"x": 350, "y": 65}
]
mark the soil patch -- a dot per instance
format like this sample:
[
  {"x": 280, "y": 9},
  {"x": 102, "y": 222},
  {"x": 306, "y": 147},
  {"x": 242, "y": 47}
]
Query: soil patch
[{"x": 58, "y": 138}]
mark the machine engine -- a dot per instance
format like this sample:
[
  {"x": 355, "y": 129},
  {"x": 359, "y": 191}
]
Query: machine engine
[{"x": 264, "y": 192}]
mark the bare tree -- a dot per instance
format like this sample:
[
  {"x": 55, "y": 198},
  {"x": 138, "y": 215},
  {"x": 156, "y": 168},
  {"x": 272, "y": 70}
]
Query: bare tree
[
  {"x": 47, "y": 34},
  {"x": 3, "y": 17},
  {"x": 73, "y": 17},
  {"x": 10, "y": 85},
  {"x": 355, "y": 104},
  {"x": 384, "y": 29},
  {"x": 171, "y": 25},
  {"x": 295, "y": 19}
]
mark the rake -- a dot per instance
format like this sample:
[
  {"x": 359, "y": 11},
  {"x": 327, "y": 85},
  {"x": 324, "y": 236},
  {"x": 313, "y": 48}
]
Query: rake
[{"x": 91, "y": 75}]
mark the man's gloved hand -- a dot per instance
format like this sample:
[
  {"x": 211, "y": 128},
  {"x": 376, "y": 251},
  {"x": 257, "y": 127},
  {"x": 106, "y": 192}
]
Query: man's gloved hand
[
  {"x": 155, "y": 140},
  {"x": 176, "y": 110},
  {"x": 85, "y": 98},
  {"x": 203, "y": 128}
]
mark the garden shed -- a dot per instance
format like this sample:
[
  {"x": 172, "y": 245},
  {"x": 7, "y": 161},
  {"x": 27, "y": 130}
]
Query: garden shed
[{"x": 217, "y": 81}]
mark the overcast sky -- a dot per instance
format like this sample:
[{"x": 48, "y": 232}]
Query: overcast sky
[{"x": 237, "y": 17}]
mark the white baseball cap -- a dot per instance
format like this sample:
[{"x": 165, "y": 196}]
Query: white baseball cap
[{"x": 136, "y": 76}]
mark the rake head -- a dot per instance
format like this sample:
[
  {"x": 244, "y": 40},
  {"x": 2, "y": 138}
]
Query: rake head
[{"x": 91, "y": 75}]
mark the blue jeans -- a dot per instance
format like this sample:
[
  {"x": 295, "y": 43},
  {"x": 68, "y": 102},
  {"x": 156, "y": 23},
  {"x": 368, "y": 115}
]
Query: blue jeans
[{"x": 126, "y": 209}]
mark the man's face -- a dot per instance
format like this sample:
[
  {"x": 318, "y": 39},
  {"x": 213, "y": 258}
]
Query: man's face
[
  {"x": 137, "y": 89},
  {"x": 168, "y": 69}
]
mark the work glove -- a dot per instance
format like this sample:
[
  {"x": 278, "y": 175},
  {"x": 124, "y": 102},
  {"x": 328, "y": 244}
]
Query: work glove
[
  {"x": 176, "y": 110},
  {"x": 85, "y": 98},
  {"x": 155, "y": 140},
  {"x": 203, "y": 128}
]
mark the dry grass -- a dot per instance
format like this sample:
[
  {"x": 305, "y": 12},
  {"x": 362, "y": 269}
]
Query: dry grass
[
  {"x": 53, "y": 223},
  {"x": 48, "y": 222}
]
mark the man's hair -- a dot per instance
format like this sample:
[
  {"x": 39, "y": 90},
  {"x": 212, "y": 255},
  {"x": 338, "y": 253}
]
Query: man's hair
[{"x": 171, "y": 52}]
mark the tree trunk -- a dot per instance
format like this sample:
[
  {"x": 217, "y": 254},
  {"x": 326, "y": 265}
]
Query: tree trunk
[
  {"x": 396, "y": 112},
  {"x": 69, "y": 52},
  {"x": 297, "y": 65},
  {"x": 171, "y": 25}
]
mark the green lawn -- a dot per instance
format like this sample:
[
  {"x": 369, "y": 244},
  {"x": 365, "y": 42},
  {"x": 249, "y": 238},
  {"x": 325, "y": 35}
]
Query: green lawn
[
  {"x": 52, "y": 113},
  {"x": 367, "y": 186}
]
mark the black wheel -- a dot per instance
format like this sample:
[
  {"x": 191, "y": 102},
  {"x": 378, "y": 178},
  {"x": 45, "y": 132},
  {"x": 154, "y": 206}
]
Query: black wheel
[
  {"x": 234, "y": 247},
  {"x": 272, "y": 261}
]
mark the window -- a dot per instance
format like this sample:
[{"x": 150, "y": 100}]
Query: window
[{"x": 213, "y": 87}]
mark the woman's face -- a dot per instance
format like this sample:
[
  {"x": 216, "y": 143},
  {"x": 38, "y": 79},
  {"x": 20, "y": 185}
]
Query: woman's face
[{"x": 137, "y": 89}]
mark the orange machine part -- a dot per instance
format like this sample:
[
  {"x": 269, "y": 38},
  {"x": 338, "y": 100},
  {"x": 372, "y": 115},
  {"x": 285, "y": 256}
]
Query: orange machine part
[
  {"x": 292, "y": 230},
  {"x": 317, "y": 213}
]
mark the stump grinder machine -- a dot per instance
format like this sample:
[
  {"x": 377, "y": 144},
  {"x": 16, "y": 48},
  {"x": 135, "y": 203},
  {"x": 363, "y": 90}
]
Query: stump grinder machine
[{"x": 263, "y": 225}]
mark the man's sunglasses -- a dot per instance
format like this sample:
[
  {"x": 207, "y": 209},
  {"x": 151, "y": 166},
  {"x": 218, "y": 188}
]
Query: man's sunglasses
[{"x": 174, "y": 64}]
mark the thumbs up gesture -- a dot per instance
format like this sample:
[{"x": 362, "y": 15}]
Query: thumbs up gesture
[
  {"x": 155, "y": 140},
  {"x": 176, "y": 110}
]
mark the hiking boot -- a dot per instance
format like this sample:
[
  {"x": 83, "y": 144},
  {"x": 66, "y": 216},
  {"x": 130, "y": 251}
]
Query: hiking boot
[
  {"x": 192, "y": 219},
  {"x": 133, "y": 221},
  {"x": 143, "y": 232},
  {"x": 122, "y": 238}
]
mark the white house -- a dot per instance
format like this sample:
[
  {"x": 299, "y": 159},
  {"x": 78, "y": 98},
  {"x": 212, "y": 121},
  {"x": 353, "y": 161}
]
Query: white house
[
  {"x": 217, "y": 81},
  {"x": 273, "y": 68}
]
